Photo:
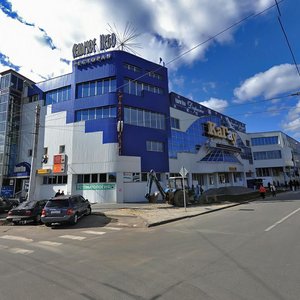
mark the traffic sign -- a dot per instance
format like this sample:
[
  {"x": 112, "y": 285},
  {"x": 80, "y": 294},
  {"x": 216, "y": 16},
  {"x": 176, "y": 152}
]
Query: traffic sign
[{"x": 183, "y": 172}]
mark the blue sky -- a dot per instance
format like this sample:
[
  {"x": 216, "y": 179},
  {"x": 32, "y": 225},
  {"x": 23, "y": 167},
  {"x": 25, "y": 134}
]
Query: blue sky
[{"x": 246, "y": 72}]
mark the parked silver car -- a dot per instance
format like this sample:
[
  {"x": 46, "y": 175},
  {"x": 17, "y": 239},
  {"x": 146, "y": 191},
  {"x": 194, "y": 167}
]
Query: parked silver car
[{"x": 65, "y": 209}]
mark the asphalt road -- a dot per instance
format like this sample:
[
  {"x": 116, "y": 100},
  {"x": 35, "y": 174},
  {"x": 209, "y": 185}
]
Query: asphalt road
[{"x": 245, "y": 252}]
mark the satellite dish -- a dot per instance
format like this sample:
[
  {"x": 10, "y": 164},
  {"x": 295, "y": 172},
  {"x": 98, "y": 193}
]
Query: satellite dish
[{"x": 126, "y": 39}]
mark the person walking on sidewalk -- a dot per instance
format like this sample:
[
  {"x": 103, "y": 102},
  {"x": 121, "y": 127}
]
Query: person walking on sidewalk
[
  {"x": 273, "y": 190},
  {"x": 262, "y": 191}
]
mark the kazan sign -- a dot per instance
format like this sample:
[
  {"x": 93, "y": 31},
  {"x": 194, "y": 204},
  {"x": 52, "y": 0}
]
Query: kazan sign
[
  {"x": 221, "y": 132},
  {"x": 107, "y": 41}
]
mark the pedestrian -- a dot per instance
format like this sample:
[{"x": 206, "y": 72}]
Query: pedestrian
[
  {"x": 57, "y": 193},
  {"x": 201, "y": 190},
  {"x": 262, "y": 191},
  {"x": 273, "y": 190},
  {"x": 62, "y": 193}
]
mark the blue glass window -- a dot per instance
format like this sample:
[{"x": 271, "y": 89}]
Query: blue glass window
[
  {"x": 268, "y": 140},
  {"x": 98, "y": 87},
  {"x": 95, "y": 113},
  {"x": 58, "y": 95},
  {"x": 144, "y": 118}
]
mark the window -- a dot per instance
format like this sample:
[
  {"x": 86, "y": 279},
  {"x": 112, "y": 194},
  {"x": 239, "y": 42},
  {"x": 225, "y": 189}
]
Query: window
[
  {"x": 211, "y": 180},
  {"x": 155, "y": 146},
  {"x": 144, "y": 118},
  {"x": 96, "y": 113},
  {"x": 264, "y": 155},
  {"x": 269, "y": 140},
  {"x": 154, "y": 75},
  {"x": 58, "y": 95},
  {"x": 86, "y": 178},
  {"x": 60, "y": 179},
  {"x": 175, "y": 123},
  {"x": 45, "y": 151},
  {"x": 62, "y": 149},
  {"x": 144, "y": 176},
  {"x": 112, "y": 177},
  {"x": 96, "y": 87},
  {"x": 96, "y": 178},
  {"x": 134, "y": 87},
  {"x": 102, "y": 177},
  {"x": 223, "y": 178},
  {"x": 261, "y": 172},
  {"x": 132, "y": 68}
]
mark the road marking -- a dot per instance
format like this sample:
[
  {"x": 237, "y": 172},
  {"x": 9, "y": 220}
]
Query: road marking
[
  {"x": 73, "y": 237},
  {"x": 48, "y": 243},
  {"x": 282, "y": 220},
  {"x": 20, "y": 251},
  {"x": 16, "y": 238},
  {"x": 113, "y": 228},
  {"x": 94, "y": 232}
]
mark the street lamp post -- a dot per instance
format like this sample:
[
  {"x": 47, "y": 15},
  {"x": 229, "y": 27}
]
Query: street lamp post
[{"x": 32, "y": 179}]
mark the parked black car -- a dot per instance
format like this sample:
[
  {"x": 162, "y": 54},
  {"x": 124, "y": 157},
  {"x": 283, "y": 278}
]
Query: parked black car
[
  {"x": 7, "y": 204},
  {"x": 27, "y": 212},
  {"x": 65, "y": 209}
]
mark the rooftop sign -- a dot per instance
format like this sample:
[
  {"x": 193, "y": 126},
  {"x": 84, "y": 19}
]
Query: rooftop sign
[{"x": 107, "y": 41}]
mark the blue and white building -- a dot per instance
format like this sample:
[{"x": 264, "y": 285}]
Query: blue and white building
[{"x": 105, "y": 125}]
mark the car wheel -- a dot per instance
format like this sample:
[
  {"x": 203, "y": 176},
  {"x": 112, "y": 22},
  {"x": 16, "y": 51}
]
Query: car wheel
[
  {"x": 75, "y": 219},
  {"x": 88, "y": 211},
  {"x": 38, "y": 219},
  {"x": 48, "y": 224}
]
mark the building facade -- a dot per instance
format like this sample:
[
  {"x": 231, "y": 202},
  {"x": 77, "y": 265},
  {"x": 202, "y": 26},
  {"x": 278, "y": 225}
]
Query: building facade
[
  {"x": 276, "y": 156},
  {"x": 99, "y": 130}
]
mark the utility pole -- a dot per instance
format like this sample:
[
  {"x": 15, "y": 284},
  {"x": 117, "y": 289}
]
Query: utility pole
[{"x": 32, "y": 179}]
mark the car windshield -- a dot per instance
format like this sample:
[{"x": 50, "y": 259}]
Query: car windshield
[{"x": 58, "y": 203}]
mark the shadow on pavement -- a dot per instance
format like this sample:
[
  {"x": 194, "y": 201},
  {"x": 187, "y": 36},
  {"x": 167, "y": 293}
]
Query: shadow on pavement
[{"x": 92, "y": 221}]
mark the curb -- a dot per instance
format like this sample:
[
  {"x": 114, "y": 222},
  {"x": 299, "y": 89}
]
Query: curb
[{"x": 191, "y": 216}]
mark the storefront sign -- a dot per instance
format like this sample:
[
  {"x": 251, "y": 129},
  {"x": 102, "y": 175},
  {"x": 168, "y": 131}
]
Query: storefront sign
[
  {"x": 59, "y": 163},
  {"x": 107, "y": 41},
  {"x": 221, "y": 132},
  {"x": 93, "y": 59},
  {"x": 22, "y": 169},
  {"x": 96, "y": 186},
  {"x": 43, "y": 171}
]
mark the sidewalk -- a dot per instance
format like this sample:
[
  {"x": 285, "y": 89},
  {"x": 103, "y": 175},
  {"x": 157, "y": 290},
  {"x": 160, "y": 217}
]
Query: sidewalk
[{"x": 157, "y": 214}]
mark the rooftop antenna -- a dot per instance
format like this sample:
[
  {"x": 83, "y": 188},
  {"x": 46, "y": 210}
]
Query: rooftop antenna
[{"x": 126, "y": 39}]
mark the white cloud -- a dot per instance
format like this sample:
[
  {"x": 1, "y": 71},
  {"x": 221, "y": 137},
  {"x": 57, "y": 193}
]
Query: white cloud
[
  {"x": 274, "y": 82},
  {"x": 216, "y": 104},
  {"x": 168, "y": 28},
  {"x": 292, "y": 120}
]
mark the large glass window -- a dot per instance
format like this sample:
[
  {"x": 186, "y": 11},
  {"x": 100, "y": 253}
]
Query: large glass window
[
  {"x": 134, "y": 87},
  {"x": 58, "y": 95},
  {"x": 96, "y": 87},
  {"x": 55, "y": 179},
  {"x": 220, "y": 155},
  {"x": 262, "y": 155},
  {"x": 95, "y": 113},
  {"x": 268, "y": 140},
  {"x": 155, "y": 146},
  {"x": 144, "y": 118},
  {"x": 96, "y": 178}
]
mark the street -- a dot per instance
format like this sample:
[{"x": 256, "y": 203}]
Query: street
[{"x": 250, "y": 251}]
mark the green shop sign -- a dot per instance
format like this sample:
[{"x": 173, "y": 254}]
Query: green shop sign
[{"x": 95, "y": 186}]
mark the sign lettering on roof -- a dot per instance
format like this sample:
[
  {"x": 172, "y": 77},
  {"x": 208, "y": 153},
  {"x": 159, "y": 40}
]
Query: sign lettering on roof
[{"x": 107, "y": 41}]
